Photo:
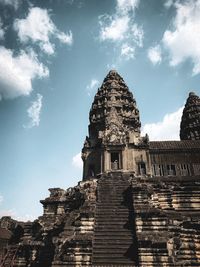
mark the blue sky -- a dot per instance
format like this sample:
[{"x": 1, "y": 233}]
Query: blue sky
[{"x": 53, "y": 57}]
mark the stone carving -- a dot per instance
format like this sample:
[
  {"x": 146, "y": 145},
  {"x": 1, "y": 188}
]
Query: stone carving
[
  {"x": 113, "y": 108},
  {"x": 190, "y": 123}
]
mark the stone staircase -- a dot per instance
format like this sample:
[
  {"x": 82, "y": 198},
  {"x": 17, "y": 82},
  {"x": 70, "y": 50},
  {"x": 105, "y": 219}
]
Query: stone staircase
[{"x": 114, "y": 242}]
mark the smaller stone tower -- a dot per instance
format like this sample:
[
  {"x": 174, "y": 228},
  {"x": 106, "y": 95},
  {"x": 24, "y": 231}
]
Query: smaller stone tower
[
  {"x": 114, "y": 142},
  {"x": 190, "y": 123}
]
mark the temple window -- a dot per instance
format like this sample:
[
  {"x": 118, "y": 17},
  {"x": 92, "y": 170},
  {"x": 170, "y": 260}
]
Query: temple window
[
  {"x": 115, "y": 161},
  {"x": 184, "y": 169},
  {"x": 196, "y": 168},
  {"x": 91, "y": 171},
  {"x": 158, "y": 169},
  {"x": 171, "y": 170},
  {"x": 142, "y": 168}
]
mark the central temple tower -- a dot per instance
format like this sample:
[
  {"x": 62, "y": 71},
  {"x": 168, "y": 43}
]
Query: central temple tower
[{"x": 114, "y": 142}]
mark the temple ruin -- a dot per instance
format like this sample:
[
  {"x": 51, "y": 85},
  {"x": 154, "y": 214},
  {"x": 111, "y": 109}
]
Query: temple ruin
[{"x": 138, "y": 203}]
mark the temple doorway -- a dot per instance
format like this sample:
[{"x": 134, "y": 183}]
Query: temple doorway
[{"x": 115, "y": 161}]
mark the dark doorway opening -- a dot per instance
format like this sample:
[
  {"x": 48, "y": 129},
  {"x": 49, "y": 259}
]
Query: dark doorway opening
[
  {"x": 142, "y": 168},
  {"x": 115, "y": 161},
  {"x": 91, "y": 171}
]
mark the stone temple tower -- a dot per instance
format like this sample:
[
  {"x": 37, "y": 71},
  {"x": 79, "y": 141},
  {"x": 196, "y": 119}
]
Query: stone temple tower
[
  {"x": 190, "y": 123},
  {"x": 114, "y": 141}
]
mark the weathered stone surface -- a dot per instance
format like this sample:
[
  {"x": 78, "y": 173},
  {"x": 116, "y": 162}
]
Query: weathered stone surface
[
  {"x": 167, "y": 220},
  {"x": 138, "y": 203},
  {"x": 114, "y": 131},
  {"x": 190, "y": 123}
]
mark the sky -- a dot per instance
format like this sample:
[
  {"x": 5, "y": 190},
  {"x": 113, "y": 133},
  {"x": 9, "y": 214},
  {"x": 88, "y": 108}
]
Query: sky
[{"x": 54, "y": 54}]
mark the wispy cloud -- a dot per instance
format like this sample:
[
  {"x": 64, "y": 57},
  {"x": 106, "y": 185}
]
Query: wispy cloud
[
  {"x": 182, "y": 39},
  {"x": 116, "y": 29},
  {"x": 168, "y": 3},
  {"x": 13, "y": 213},
  {"x": 167, "y": 129},
  {"x": 154, "y": 54},
  {"x": 39, "y": 28},
  {"x": 18, "y": 71},
  {"x": 34, "y": 112},
  {"x": 22, "y": 67},
  {"x": 127, "y": 51},
  {"x": 13, "y": 3},
  {"x": 92, "y": 86},
  {"x": 77, "y": 161},
  {"x": 2, "y": 31},
  {"x": 121, "y": 29}
]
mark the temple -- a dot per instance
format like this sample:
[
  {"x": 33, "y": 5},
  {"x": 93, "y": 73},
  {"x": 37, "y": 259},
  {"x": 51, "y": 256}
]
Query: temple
[
  {"x": 114, "y": 141},
  {"x": 138, "y": 203}
]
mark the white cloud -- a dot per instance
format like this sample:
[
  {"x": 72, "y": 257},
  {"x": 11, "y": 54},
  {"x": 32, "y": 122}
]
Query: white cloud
[
  {"x": 167, "y": 129},
  {"x": 121, "y": 28},
  {"x": 7, "y": 213},
  {"x": 127, "y": 51},
  {"x": 77, "y": 161},
  {"x": 168, "y": 3},
  {"x": 2, "y": 31},
  {"x": 47, "y": 47},
  {"x": 38, "y": 27},
  {"x": 91, "y": 86},
  {"x": 34, "y": 112},
  {"x": 137, "y": 34},
  {"x": 116, "y": 30},
  {"x": 12, "y": 213},
  {"x": 13, "y": 3},
  {"x": 182, "y": 41},
  {"x": 18, "y": 71},
  {"x": 65, "y": 38},
  {"x": 124, "y": 6},
  {"x": 154, "y": 54}
]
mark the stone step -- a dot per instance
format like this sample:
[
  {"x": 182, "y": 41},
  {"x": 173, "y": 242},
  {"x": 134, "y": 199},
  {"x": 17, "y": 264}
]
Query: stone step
[
  {"x": 110, "y": 222},
  {"x": 113, "y": 187},
  {"x": 108, "y": 239},
  {"x": 113, "y": 209},
  {"x": 99, "y": 243},
  {"x": 113, "y": 230},
  {"x": 112, "y": 216},
  {"x": 112, "y": 206},
  {"x": 122, "y": 213},
  {"x": 112, "y": 246},
  {"x": 111, "y": 219},
  {"x": 116, "y": 265},
  {"x": 109, "y": 206},
  {"x": 125, "y": 235},
  {"x": 112, "y": 261},
  {"x": 117, "y": 254},
  {"x": 111, "y": 239}
]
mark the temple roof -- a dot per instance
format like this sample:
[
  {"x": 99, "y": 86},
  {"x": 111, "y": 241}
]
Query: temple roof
[
  {"x": 175, "y": 145},
  {"x": 113, "y": 104},
  {"x": 190, "y": 123}
]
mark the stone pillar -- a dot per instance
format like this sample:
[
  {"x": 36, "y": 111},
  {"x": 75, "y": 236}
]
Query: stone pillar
[{"x": 106, "y": 161}]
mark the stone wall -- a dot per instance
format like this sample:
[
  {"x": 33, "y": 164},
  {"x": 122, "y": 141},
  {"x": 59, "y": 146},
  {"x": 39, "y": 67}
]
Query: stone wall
[
  {"x": 167, "y": 220},
  {"x": 62, "y": 236}
]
